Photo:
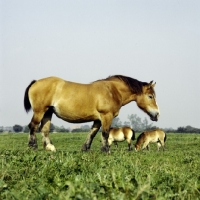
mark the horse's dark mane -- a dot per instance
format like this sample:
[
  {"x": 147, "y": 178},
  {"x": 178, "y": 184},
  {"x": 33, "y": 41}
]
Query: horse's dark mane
[
  {"x": 140, "y": 136},
  {"x": 134, "y": 84}
]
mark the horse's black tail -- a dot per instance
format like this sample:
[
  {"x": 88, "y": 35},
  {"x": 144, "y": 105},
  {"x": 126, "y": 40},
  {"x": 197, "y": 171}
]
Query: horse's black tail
[
  {"x": 165, "y": 137},
  {"x": 133, "y": 135},
  {"x": 27, "y": 104}
]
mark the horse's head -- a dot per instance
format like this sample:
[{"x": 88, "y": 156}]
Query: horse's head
[
  {"x": 147, "y": 101},
  {"x": 137, "y": 147}
]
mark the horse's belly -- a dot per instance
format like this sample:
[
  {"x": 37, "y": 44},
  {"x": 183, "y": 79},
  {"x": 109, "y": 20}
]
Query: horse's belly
[
  {"x": 153, "y": 140},
  {"x": 75, "y": 116},
  {"x": 119, "y": 138}
]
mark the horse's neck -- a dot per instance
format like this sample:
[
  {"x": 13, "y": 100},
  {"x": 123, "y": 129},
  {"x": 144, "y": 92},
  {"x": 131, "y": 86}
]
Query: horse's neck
[
  {"x": 126, "y": 94},
  {"x": 140, "y": 141}
]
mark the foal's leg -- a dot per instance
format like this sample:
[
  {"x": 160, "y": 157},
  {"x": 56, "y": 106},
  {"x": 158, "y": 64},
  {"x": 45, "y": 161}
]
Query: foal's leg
[
  {"x": 110, "y": 141},
  {"x": 159, "y": 144},
  {"x": 44, "y": 128},
  {"x": 162, "y": 144},
  {"x": 96, "y": 126},
  {"x": 145, "y": 145},
  {"x": 129, "y": 145},
  {"x": 116, "y": 144},
  {"x": 33, "y": 126}
]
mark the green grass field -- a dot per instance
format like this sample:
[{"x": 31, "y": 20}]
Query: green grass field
[{"x": 72, "y": 174}]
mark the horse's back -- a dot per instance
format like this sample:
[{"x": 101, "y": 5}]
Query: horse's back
[
  {"x": 155, "y": 135},
  {"x": 122, "y": 133},
  {"x": 46, "y": 85}
]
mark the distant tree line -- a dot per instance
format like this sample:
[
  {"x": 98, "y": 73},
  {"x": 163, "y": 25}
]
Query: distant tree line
[{"x": 134, "y": 122}]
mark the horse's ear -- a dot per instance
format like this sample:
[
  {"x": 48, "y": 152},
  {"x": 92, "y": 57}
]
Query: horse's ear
[{"x": 151, "y": 84}]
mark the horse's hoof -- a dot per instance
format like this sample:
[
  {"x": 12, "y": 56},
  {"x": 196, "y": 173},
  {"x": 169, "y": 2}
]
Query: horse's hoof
[
  {"x": 104, "y": 149},
  {"x": 50, "y": 147},
  {"x": 85, "y": 147},
  {"x": 33, "y": 146}
]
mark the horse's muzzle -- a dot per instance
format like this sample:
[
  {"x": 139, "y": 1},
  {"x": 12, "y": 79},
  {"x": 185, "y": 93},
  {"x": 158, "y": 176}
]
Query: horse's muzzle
[{"x": 154, "y": 117}]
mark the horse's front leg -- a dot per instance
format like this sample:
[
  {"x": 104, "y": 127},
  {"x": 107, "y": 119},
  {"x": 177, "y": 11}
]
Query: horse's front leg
[
  {"x": 106, "y": 122},
  {"x": 146, "y": 146},
  {"x": 96, "y": 126},
  {"x": 105, "y": 145}
]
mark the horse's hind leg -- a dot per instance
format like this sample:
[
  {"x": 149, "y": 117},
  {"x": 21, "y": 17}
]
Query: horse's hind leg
[
  {"x": 44, "y": 128},
  {"x": 33, "y": 126},
  {"x": 130, "y": 148},
  {"x": 96, "y": 126},
  {"x": 162, "y": 143},
  {"x": 159, "y": 144},
  {"x": 116, "y": 144}
]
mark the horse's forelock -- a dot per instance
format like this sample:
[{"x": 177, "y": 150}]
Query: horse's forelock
[{"x": 152, "y": 91}]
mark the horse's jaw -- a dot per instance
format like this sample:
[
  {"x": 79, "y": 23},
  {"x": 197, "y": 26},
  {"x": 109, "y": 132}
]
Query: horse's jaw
[{"x": 153, "y": 114}]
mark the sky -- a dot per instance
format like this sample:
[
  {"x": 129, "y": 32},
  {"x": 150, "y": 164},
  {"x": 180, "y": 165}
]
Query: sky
[{"x": 83, "y": 41}]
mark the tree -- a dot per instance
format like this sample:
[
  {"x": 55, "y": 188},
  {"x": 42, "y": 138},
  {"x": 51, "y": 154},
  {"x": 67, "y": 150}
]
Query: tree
[
  {"x": 145, "y": 124},
  {"x": 187, "y": 129},
  {"x": 85, "y": 127},
  {"x": 78, "y": 130},
  {"x": 52, "y": 127},
  {"x": 135, "y": 122},
  {"x": 17, "y": 128},
  {"x": 61, "y": 129},
  {"x": 116, "y": 122},
  {"x": 26, "y": 129}
]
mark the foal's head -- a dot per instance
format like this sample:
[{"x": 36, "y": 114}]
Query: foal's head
[
  {"x": 147, "y": 101},
  {"x": 137, "y": 147}
]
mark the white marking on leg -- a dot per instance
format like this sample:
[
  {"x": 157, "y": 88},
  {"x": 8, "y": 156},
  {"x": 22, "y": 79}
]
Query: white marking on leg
[{"x": 50, "y": 147}]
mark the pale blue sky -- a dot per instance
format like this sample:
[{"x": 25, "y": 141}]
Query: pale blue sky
[{"x": 83, "y": 41}]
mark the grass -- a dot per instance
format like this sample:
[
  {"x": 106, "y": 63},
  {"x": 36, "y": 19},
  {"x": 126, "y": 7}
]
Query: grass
[{"x": 72, "y": 174}]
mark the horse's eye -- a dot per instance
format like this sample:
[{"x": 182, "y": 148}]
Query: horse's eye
[{"x": 151, "y": 97}]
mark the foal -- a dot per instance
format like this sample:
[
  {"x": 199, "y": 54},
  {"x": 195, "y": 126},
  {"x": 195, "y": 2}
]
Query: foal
[
  {"x": 121, "y": 134},
  {"x": 152, "y": 136}
]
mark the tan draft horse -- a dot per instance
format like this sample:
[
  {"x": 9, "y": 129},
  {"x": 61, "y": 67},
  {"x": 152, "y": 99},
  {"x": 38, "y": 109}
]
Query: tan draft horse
[
  {"x": 154, "y": 136},
  {"x": 120, "y": 134},
  {"x": 99, "y": 101}
]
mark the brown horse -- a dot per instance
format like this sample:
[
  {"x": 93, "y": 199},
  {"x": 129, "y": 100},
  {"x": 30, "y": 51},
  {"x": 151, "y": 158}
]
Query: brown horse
[
  {"x": 154, "y": 136},
  {"x": 99, "y": 101},
  {"x": 121, "y": 134}
]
